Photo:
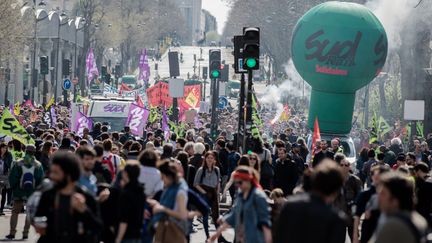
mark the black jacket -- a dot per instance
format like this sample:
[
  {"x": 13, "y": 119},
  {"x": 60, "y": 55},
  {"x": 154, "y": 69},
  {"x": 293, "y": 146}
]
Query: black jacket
[
  {"x": 305, "y": 218},
  {"x": 83, "y": 227},
  {"x": 131, "y": 209},
  {"x": 285, "y": 176}
]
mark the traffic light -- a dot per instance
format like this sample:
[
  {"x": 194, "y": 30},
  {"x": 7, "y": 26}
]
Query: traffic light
[
  {"x": 7, "y": 74},
  {"x": 251, "y": 45},
  {"x": 215, "y": 63},
  {"x": 224, "y": 73},
  {"x": 43, "y": 60},
  {"x": 238, "y": 54},
  {"x": 66, "y": 67},
  {"x": 118, "y": 70},
  {"x": 104, "y": 72}
]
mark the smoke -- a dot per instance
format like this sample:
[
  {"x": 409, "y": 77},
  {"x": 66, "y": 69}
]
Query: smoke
[
  {"x": 394, "y": 15},
  {"x": 291, "y": 87}
]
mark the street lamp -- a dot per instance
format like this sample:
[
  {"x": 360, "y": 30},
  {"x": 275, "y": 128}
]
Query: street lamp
[
  {"x": 78, "y": 22},
  {"x": 57, "y": 66},
  {"x": 33, "y": 70}
]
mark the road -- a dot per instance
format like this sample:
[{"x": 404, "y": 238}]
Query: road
[{"x": 198, "y": 237}]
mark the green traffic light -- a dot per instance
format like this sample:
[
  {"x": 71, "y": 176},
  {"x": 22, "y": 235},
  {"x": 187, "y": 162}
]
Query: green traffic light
[
  {"x": 251, "y": 63},
  {"x": 215, "y": 74}
]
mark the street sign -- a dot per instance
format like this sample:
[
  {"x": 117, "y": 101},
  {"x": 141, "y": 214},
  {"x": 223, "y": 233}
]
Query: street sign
[
  {"x": 223, "y": 102},
  {"x": 67, "y": 84},
  {"x": 176, "y": 87},
  {"x": 414, "y": 110}
]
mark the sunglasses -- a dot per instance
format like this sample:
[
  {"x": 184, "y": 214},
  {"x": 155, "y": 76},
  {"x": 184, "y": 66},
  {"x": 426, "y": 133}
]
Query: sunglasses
[{"x": 346, "y": 165}]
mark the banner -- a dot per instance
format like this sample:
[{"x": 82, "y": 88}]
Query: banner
[
  {"x": 158, "y": 95},
  {"x": 91, "y": 68},
  {"x": 81, "y": 122},
  {"x": 108, "y": 89},
  {"x": 47, "y": 118},
  {"x": 17, "y": 109},
  {"x": 10, "y": 126},
  {"x": 137, "y": 119}
]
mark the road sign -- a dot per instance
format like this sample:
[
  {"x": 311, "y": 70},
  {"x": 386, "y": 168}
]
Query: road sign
[
  {"x": 67, "y": 84},
  {"x": 414, "y": 110},
  {"x": 223, "y": 102}
]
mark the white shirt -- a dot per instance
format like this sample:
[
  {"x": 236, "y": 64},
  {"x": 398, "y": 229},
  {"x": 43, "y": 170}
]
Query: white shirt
[{"x": 152, "y": 180}]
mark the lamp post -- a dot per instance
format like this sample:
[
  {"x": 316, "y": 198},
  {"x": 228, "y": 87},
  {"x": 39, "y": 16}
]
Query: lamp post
[
  {"x": 34, "y": 71},
  {"x": 57, "y": 66},
  {"x": 78, "y": 21}
]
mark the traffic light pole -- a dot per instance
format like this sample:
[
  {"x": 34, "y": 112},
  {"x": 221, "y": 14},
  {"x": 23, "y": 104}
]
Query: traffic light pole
[
  {"x": 214, "y": 114},
  {"x": 248, "y": 122},
  {"x": 241, "y": 120}
]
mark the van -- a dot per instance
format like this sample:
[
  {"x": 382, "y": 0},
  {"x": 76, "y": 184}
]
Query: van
[{"x": 111, "y": 110}]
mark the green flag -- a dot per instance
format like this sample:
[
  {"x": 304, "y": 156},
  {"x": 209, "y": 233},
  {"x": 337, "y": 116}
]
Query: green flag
[
  {"x": 374, "y": 129},
  {"x": 420, "y": 129},
  {"x": 383, "y": 127},
  {"x": 11, "y": 127}
]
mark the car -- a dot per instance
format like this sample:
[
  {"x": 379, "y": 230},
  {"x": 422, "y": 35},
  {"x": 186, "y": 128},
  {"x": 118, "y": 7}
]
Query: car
[{"x": 346, "y": 142}]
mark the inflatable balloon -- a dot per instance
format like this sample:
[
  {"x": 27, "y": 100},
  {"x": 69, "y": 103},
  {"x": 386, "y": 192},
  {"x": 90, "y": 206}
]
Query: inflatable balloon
[{"x": 337, "y": 47}]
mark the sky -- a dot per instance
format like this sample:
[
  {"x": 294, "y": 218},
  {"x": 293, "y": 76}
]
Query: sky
[{"x": 218, "y": 9}]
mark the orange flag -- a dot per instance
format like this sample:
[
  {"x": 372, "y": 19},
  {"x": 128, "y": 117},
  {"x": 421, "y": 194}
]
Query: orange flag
[{"x": 316, "y": 136}]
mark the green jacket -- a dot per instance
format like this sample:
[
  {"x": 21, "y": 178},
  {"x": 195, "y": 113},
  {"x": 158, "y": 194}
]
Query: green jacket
[{"x": 15, "y": 178}]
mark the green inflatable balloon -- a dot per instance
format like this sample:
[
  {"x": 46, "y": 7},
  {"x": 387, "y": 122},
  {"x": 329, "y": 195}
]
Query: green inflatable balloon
[{"x": 337, "y": 47}]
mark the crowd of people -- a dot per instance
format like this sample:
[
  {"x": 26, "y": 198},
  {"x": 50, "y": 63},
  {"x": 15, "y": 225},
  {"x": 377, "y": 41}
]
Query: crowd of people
[{"x": 111, "y": 186}]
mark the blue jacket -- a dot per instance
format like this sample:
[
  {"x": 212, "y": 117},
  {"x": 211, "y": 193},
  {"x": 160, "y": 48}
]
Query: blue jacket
[{"x": 256, "y": 214}]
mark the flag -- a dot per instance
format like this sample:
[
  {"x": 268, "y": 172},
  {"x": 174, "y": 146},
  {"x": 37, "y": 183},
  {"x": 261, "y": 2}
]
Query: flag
[
  {"x": 47, "y": 118},
  {"x": 154, "y": 115},
  {"x": 11, "y": 127},
  {"x": 373, "y": 134},
  {"x": 139, "y": 101},
  {"x": 420, "y": 129},
  {"x": 50, "y": 103},
  {"x": 137, "y": 119},
  {"x": 197, "y": 122},
  {"x": 144, "y": 68},
  {"x": 11, "y": 110},
  {"x": 191, "y": 99},
  {"x": 285, "y": 114},
  {"x": 165, "y": 127},
  {"x": 53, "y": 117},
  {"x": 28, "y": 104},
  {"x": 316, "y": 136},
  {"x": 81, "y": 122},
  {"x": 91, "y": 68},
  {"x": 17, "y": 109},
  {"x": 383, "y": 127}
]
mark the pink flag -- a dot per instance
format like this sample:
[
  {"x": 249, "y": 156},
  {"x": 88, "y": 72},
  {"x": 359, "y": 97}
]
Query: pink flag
[
  {"x": 91, "y": 68},
  {"x": 137, "y": 119}
]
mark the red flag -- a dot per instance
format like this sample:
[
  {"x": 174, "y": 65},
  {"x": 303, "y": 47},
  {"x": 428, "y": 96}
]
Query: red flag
[
  {"x": 28, "y": 104},
  {"x": 316, "y": 136},
  {"x": 139, "y": 101}
]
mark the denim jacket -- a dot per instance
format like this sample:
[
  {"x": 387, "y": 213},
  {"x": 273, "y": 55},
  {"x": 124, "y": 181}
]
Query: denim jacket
[{"x": 256, "y": 213}]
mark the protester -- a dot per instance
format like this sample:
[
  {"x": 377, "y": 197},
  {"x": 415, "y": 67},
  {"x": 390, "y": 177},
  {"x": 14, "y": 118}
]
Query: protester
[
  {"x": 25, "y": 176},
  {"x": 423, "y": 191},
  {"x": 150, "y": 176},
  {"x": 87, "y": 179},
  {"x": 66, "y": 213},
  {"x": 131, "y": 205},
  {"x": 307, "y": 211},
  {"x": 401, "y": 223},
  {"x": 286, "y": 173},
  {"x": 5, "y": 165},
  {"x": 249, "y": 211},
  {"x": 172, "y": 205}
]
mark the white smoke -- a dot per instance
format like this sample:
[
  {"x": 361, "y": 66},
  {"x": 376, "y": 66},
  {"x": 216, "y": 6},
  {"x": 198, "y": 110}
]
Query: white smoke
[
  {"x": 291, "y": 87},
  {"x": 393, "y": 14}
]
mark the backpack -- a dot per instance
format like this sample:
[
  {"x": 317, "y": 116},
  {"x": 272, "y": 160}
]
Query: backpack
[
  {"x": 112, "y": 166},
  {"x": 27, "y": 177},
  {"x": 420, "y": 236}
]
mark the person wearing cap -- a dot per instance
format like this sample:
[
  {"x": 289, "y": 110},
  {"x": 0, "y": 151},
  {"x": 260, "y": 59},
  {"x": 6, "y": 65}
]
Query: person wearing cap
[
  {"x": 250, "y": 215},
  {"x": 297, "y": 158},
  {"x": 25, "y": 176}
]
